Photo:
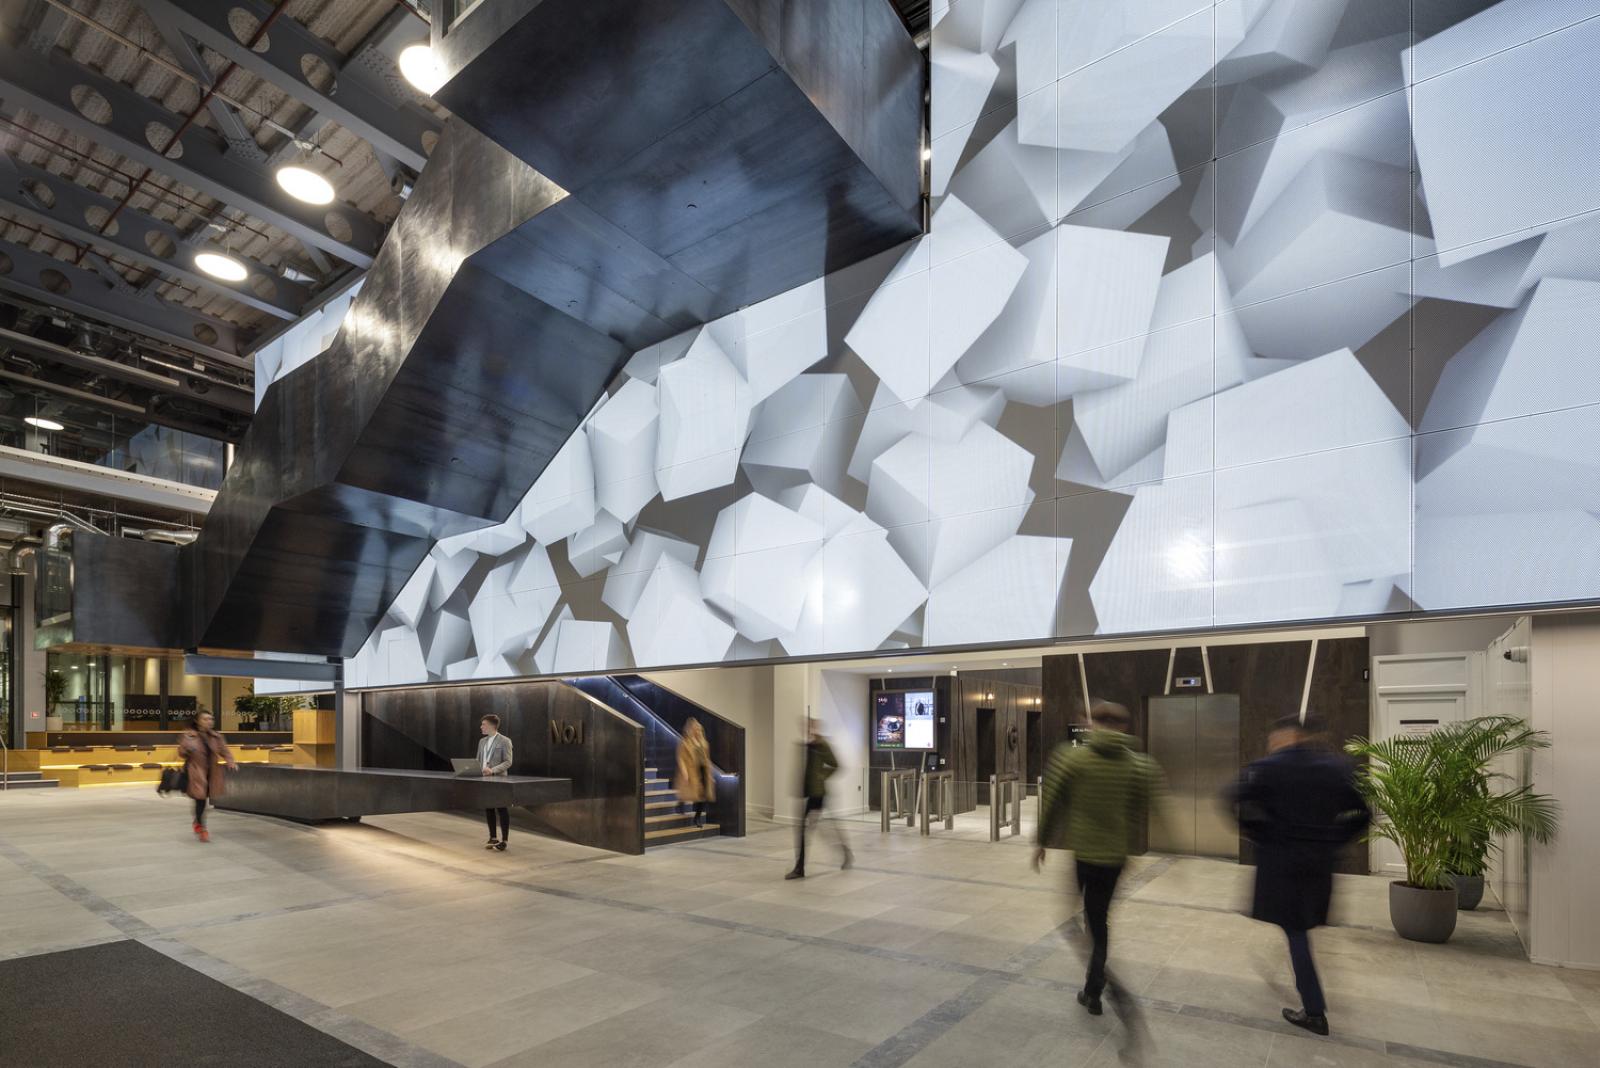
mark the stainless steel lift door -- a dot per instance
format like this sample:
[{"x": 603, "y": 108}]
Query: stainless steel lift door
[{"x": 1195, "y": 739}]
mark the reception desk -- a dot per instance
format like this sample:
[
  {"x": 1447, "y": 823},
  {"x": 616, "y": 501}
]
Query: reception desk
[{"x": 310, "y": 794}]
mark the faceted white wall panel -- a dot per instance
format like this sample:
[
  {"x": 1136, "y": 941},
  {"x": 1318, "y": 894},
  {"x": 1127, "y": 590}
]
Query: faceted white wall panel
[
  {"x": 622, "y": 442},
  {"x": 1256, "y": 311}
]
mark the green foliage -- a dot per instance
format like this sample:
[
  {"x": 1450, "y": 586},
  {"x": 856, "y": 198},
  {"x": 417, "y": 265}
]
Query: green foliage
[
  {"x": 55, "y": 688},
  {"x": 1437, "y": 799},
  {"x": 252, "y": 706}
]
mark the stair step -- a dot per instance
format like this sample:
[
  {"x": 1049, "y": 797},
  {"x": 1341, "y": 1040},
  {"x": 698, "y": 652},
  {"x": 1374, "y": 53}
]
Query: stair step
[
  {"x": 21, "y": 776},
  {"x": 32, "y": 784},
  {"x": 680, "y": 834},
  {"x": 666, "y": 818},
  {"x": 648, "y": 805},
  {"x": 657, "y": 782}
]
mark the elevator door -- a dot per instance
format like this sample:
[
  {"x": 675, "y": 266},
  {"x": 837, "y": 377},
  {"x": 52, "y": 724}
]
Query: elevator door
[{"x": 1195, "y": 739}]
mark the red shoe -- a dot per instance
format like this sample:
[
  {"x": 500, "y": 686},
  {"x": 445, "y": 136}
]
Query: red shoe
[{"x": 201, "y": 833}]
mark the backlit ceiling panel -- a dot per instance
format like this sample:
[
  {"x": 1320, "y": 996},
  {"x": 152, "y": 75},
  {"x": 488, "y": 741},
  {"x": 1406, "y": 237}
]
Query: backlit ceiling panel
[{"x": 1259, "y": 311}]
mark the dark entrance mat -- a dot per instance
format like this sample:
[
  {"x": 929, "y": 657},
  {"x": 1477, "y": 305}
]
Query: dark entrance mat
[{"x": 124, "y": 1003}]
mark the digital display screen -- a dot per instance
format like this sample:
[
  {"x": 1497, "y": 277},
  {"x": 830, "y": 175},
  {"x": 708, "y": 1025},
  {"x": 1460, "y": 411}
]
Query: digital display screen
[{"x": 903, "y": 719}]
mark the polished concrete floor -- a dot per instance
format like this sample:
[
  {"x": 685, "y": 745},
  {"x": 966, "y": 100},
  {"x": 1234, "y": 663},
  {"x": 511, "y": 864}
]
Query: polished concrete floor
[{"x": 403, "y": 937}]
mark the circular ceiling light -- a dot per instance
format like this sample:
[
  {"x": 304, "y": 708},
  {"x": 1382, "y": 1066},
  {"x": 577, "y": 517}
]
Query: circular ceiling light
[
  {"x": 43, "y": 424},
  {"x": 218, "y": 265},
  {"x": 420, "y": 68},
  {"x": 306, "y": 185}
]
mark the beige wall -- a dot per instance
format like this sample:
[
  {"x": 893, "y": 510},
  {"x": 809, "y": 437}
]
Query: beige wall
[
  {"x": 1436, "y": 635},
  {"x": 744, "y": 696},
  {"x": 1565, "y": 906}
]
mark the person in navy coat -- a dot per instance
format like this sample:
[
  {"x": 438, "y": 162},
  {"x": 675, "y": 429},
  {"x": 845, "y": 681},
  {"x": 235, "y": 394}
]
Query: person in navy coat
[{"x": 1299, "y": 806}]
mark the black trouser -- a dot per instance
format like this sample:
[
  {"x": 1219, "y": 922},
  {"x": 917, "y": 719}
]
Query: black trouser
[
  {"x": 1097, "y": 882},
  {"x": 505, "y": 822},
  {"x": 200, "y": 811},
  {"x": 811, "y": 808},
  {"x": 1305, "y": 973}
]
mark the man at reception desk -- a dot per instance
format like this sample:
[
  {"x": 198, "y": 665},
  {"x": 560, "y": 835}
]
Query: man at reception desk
[{"x": 494, "y": 757}]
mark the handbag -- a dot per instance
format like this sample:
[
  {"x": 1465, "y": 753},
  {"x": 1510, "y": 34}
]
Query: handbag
[{"x": 173, "y": 779}]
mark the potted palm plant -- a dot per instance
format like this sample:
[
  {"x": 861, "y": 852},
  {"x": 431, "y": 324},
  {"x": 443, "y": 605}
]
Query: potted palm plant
[
  {"x": 55, "y": 688},
  {"x": 1433, "y": 796},
  {"x": 1491, "y": 814}
]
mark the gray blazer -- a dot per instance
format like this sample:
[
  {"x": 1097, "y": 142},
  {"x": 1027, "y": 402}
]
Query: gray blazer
[{"x": 494, "y": 754}]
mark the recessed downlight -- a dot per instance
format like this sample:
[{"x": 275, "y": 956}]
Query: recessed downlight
[
  {"x": 42, "y": 423},
  {"x": 218, "y": 265},
  {"x": 421, "y": 68},
  {"x": 305, "y": 185}
]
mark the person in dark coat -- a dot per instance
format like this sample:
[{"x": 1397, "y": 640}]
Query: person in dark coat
[{"x": 1299, "y": 806}]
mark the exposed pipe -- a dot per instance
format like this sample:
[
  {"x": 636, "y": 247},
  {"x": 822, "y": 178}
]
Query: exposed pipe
[
  {"x": 53, "y": 535},
  {"x": 19, "y": 552},
  {"x": 170, "y": 537}
]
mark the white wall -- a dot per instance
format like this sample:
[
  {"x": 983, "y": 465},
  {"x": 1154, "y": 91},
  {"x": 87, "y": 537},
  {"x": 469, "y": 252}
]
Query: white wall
[
  {"x": 1564, "y": 906},
  {"x": 742, "y": 695}
]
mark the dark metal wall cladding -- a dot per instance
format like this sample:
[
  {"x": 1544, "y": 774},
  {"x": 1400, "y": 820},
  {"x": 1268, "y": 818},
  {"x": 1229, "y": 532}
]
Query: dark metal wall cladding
[
  {"x": 135, "y": 597},
  {"x": 423, "y": 728},
  {"x": 753, "y": 145}
]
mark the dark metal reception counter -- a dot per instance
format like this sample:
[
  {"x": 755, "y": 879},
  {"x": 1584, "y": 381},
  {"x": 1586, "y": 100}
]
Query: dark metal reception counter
[{"x": 311, "y": 794}]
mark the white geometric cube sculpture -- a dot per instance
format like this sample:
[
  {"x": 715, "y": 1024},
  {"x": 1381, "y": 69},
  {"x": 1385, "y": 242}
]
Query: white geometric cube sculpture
[
  {"x": 413, "y": 596},
  {"x": 562, "y": 501},
  {"x": 1007, "y": 594},
  {"x": 1108, "y": 288},
  {"x": 596, "y": 548},
  {"x": 946, "y": 503},
  {"x": 827, "y": 511},
  {"x": 805, "y": 428},
  {"x": 705, "y": 414},
  {"x": 1291, "y": 38},
  {"x": 626, "y": 580},
  {"x": 1538, "y": 358},
  {"x": 771, "y": 342},
  {"x": 671, "y": 623},
  {"x": 859, "y": 593},
  {"x": 1490, "y": 176},
  {"x": 892, "y": 334},
  {"x": 622, "y": 440},
  {"x": 756, "y": 565},
  {"x": 1024, "y": 333},
  {"x": 445, "y": 637},
  {"x": 449, "y": 569},
  {"x": 580, "y": 646},
  {"x": 1157, "y": 574}
]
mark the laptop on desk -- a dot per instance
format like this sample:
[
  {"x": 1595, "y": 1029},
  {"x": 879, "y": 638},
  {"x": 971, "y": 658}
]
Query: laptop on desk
[{"x": 467, "y": 766}]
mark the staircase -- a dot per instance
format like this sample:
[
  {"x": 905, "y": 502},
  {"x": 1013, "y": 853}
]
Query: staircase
[
  {"x": 27, "y": 780},
  {"x": 663, "y": 824}
]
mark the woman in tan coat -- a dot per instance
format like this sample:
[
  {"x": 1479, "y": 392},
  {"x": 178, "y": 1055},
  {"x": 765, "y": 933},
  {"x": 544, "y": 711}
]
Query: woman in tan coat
[
  {"x": 694, "y": 781},
  {"x": 201, "y": 747}
]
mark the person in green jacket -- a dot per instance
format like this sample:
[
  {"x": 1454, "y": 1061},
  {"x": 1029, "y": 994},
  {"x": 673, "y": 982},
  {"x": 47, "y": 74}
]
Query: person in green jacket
[
  {"x": 1094, "y": 800},
  {"x": 820, "y": 764}
]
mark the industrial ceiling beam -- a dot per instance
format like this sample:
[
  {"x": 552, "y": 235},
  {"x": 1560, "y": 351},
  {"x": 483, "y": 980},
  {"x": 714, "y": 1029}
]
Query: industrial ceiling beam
[
  {"x": 45, "y": 86},
  {"x": 93, "y": 400},
  {"x": 66, "y": 207},
  {"x": 241, "y": 142},
  {"x": 356, "y": 99},
  {"x": 56, "y": 283},
  {"x": 230, "y": 398}
]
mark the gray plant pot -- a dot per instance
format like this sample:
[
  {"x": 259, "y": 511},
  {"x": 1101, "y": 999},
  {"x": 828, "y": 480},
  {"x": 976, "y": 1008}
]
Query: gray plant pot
[
  {"x": 1469, "y": 891},
  {"x": 1422, "y": 915}
]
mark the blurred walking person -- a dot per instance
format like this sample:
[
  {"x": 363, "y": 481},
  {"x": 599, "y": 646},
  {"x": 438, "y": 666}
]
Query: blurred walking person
[
  {"x": 201, "y": 746},
  {"x": 1300, "y": 807},
  {"x": 694, "y": 782},
  {"x": 1094, "y": 800},
  {"x": 820, "y": 765}
]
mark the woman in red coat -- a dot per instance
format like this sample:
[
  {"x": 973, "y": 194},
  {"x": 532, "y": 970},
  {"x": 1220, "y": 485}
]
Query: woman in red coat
[{"x": 201, "y": 747}]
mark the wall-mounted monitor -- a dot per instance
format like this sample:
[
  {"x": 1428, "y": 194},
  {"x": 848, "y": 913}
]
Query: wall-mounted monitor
[{"x": 902, "y": 719}]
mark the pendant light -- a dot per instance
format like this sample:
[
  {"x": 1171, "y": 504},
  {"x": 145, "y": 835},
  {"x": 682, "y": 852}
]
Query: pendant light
[
  {"x": 421, "y": 68},
  {"x": 221, "y": 263},
  {"x": 303, "y": 183}
]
